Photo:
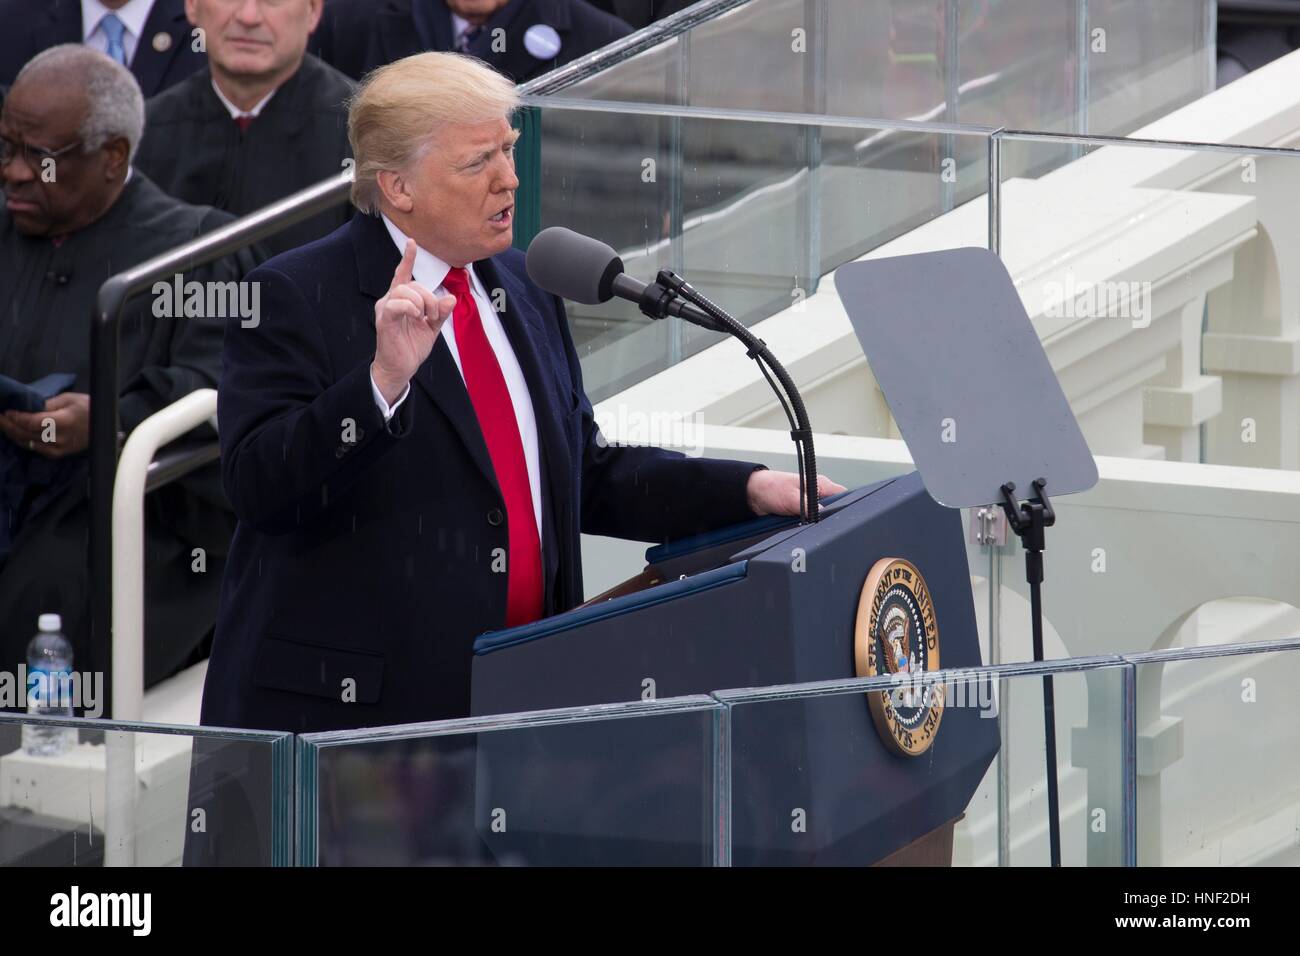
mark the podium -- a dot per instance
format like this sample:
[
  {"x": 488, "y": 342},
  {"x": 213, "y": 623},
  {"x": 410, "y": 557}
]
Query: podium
[{"x": 763, "y": 603}]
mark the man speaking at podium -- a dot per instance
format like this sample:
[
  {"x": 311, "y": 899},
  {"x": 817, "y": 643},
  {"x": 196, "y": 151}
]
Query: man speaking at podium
[{"x": 405, "y": 437}]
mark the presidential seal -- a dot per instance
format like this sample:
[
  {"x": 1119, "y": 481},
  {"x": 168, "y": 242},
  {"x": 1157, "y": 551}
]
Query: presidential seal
[{"x": 896, "y": 633}]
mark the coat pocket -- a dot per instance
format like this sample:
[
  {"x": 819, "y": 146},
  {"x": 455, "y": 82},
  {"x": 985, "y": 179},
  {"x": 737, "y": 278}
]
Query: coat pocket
[{"x": 341, "y": 675}]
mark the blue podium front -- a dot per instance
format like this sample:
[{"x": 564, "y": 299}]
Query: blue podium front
[{"x": 827, "y": 780}]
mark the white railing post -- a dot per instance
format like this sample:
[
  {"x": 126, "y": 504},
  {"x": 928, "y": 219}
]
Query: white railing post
[{"x": 127, "y": 676}]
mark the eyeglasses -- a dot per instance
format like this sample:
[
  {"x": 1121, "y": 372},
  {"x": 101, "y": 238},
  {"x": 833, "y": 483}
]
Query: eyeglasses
[{"x": 33, "y": 156}]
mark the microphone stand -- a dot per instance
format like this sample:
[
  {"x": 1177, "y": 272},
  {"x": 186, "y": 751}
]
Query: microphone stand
[
  {"x": 655, "y": 301},
  {"x": 1029, "y": 520}
]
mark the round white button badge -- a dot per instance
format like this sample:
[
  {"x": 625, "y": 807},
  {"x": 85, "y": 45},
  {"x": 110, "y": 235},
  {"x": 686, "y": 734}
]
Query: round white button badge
[
  {"x": 542, "y": 41},
  {"x": 162, "y": 42}
]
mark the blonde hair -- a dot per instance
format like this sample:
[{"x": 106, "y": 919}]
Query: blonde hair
[{"x": 397, "y": 110}]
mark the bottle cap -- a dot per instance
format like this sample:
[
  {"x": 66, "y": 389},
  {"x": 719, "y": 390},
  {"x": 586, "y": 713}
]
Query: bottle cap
[{"x": 50, "y": 622}]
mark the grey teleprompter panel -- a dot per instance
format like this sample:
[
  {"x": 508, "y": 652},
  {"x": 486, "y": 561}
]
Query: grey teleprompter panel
[{"x": 965, "y": 376}]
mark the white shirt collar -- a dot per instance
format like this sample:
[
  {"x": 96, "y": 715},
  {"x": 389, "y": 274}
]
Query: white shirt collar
[
  {"x": 428, "y": 269},
  {"x": 234, "y": 110},
  {"x": 458, "y": 26},
  {"x": 133, "y": 15}
]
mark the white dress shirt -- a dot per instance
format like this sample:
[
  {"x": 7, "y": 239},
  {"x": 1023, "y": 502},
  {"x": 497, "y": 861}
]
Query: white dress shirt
[
  {"x": 235, "y": 111},
  {"x": 133, "y": 15},
  {"x": 429, "y": 271}
]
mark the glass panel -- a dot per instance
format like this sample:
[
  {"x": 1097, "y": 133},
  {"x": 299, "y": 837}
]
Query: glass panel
[
  {"x": 621, "y": 784},
  {"x": 813, "y": 781},
  {"x": 761, "y": 56},
  {"x": 1218, "y": 759},
  {"x": 753, "y": 211},
  {"x": 142, "y": 795},
  {"x": 651, "y": 76},
  {"x": 1019, "y": 64},
  {"x": 883, "y": 59},
  {"x": 1028, "y": 64},
  {"x": 1145, "y": 58},
  {"x": 1166, "y": 262},
  {"x": 1158, "y": 279},
  {"x": 1166, "y": 555},
  {"x": 877, "y": 184}
]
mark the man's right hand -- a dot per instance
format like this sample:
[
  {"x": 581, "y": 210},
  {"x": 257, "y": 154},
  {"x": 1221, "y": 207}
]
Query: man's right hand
[{"x": 407, "y": 322}]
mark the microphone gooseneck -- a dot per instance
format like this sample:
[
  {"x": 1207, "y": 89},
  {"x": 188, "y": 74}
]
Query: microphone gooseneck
[{"x": 586, "y": 270}]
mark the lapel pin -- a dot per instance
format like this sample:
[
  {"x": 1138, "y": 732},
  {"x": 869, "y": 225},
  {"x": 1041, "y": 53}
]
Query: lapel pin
[
  {"x": 162, "y": 42},
  {"x": 542, "y": 41}
]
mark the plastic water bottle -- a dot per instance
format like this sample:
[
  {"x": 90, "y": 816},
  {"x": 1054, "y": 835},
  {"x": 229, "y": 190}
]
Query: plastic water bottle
[{"x": 49, "y": 672}]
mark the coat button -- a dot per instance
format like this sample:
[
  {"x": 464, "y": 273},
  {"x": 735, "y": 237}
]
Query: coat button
[{"x": 495, "y": 517}]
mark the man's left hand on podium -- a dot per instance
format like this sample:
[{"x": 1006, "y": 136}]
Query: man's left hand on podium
[{"x": 777, "y": 492}]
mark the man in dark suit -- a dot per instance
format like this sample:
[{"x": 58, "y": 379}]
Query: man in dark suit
[
  {"x": 521, "y": 38},
  {"x": 406, "y": 440},
  {"x": 151, "y": 37},
  {"x": 265, "y": 120},
  {"x": 641, "y": 13},
  {"x": 76, "y": 113}
]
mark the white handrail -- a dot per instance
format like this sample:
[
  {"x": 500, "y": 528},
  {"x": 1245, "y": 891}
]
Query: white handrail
[
  {"x": 128, "y": 541},
  {"x": 127, "y": 675}
]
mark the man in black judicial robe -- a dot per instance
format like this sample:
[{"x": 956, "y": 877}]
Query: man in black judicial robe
[
  {"x": 59, "y": 241},
  {"x": 295, "y": 132},
  {"x": 162, "y": 54},
  {"x": 521, "y": 38}
]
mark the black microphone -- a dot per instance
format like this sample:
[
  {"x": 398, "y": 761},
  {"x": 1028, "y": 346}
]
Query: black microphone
[{"x": 586, "y": 270}]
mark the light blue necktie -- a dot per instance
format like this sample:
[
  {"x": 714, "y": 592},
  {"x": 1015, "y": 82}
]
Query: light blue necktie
[{"x": 114, "y": 29}]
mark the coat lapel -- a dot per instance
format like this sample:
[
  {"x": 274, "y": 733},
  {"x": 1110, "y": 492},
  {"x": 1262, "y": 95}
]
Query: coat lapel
[
  {"x": 438, "y": 377},
  {"x": 528, "y": 338},
  {"x": 441, "y": 380},
  {"x": 397, "y": 32},
  {"x": 432, "y": 21},
  {"x": 149, "y": 63},
  {"x": 291, "y": 104},
  {"x": 61, "y": 24}
]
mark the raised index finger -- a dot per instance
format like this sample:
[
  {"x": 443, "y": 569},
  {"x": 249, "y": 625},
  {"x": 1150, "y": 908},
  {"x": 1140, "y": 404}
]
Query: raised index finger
[{"x": 405, "y": 267}]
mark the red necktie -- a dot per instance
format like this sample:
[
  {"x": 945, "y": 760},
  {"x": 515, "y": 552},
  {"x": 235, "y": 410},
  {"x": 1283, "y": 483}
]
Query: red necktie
[
  {"x": 244, "y": 121},
  {"x": 496, "y": 418}
]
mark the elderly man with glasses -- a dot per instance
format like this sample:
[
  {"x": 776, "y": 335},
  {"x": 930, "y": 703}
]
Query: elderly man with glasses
[{"x": 74, "y": 214}]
